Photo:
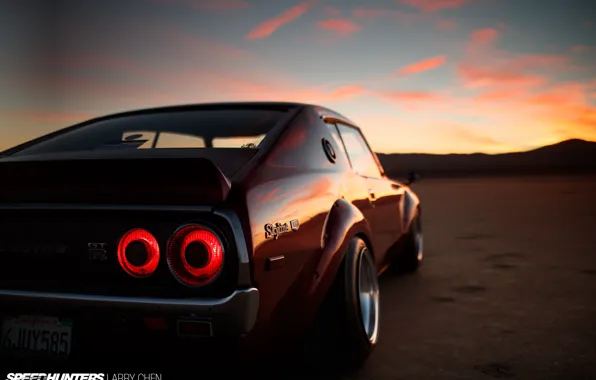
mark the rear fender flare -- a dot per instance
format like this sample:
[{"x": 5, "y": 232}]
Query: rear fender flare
[{"x": 344, "y": 221}]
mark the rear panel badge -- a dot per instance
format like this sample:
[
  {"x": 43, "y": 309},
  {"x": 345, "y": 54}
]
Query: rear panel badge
[
  {"x": 97, "y": 251},
  {"x": 276, "y": 230}
]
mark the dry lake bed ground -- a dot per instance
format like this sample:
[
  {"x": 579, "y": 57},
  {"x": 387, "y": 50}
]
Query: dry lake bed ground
[{"x": 507, "y": 289}]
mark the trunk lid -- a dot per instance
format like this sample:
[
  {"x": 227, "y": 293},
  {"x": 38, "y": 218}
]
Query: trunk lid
[{"x": 110, "y": 177}]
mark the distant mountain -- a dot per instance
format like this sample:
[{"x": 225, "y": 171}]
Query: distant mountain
[{"x": 570, "y": 156}]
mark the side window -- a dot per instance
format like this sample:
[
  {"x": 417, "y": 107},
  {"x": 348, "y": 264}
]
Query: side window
[
  {"x": 361, "y": 157},
  {"x": 337, "y": 143}
]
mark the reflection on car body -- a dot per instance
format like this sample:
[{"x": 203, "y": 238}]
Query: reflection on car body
[{"x": 216, "y": 220}]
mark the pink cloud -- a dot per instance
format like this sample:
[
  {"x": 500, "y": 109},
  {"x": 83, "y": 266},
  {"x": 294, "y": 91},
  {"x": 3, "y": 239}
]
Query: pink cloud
[
  {"x": 216, "y": 5},
  {"x": 374, "y": 14},
  {"x": 267, "y": 28},
  {"x": 500, "y": 95},
  {"x": 369, "y": 12},
  {"x": 486, "y": 36},
  {"x": 435, "y": 5},
  {"x": 483, "y": 76},
  {"x": 464, "y": 133},
  {"x": 487, "y": 66},
  {"x": 503, "y": 69},
  {"x": 322, "y": 94},
  {"x": 446, "y": 25},
  {"x": 424, "y": 65},
  {"x": 340, "y": 26},
  {"x": 410, "y": 96},
  {"x": 582, "y": 48},
  {"x": 332, "y": 11}
]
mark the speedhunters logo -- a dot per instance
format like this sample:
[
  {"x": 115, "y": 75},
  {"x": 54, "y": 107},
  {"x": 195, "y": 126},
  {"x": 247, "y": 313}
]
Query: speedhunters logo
[
  {"x": 56, "y": 376},
  {"x": 84, "y": 376}
]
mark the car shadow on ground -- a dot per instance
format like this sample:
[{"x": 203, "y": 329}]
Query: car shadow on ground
[{"x": 293, "y": 362}]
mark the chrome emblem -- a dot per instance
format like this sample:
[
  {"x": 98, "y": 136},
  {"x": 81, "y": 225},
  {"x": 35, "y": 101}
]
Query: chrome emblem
[
  {"x": 97, "y": 251},
  {"x": 274, "y": 231},
  {"x": 294, "y": 224}
]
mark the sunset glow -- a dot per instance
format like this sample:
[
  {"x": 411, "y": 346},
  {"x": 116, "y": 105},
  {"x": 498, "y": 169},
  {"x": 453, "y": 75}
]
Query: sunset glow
[{"x": 428, "y": 76}]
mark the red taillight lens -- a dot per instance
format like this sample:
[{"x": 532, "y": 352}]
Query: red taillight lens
[
  {"x": 138, "y": 253},
  {"x": 195, "y": 255}
]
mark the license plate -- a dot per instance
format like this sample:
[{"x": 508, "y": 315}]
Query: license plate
[{"x": 32, "y": 334}]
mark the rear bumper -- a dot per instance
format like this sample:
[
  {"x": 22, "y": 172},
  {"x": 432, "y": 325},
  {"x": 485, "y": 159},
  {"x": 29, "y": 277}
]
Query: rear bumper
[{"x": 234, "y": 315}]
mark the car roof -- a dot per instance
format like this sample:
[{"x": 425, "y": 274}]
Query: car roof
[{"x": 323, "y": 112}]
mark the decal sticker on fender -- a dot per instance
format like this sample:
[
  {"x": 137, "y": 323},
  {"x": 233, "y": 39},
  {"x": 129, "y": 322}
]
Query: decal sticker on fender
[{"x": 276, "y": 230}]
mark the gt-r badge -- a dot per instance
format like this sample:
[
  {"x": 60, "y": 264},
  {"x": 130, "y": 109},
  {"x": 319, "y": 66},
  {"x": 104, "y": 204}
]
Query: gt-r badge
[
  {"x": 277, "y": 229},
  {"x": 97, "y": 251}
]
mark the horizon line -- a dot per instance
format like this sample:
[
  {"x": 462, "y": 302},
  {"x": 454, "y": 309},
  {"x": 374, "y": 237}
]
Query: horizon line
[{"x": 490, "y": 154}]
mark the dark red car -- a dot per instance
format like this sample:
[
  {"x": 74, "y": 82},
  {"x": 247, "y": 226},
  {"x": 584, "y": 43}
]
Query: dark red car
[{"x": 241, "y": 220}]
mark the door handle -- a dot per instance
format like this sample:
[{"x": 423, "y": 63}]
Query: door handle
[{"x": 372, "y": 195}]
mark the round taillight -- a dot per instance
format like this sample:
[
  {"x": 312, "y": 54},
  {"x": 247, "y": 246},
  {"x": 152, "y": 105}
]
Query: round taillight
[
  {"x": 138, "y": 253},
  {"x": 195, "y": 255}
]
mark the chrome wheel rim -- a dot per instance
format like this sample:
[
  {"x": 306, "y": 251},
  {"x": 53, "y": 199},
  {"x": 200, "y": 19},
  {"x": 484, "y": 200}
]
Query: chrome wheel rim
[
  {"x": 419, "y": 242},
  {"x": 368, "y": 296}
]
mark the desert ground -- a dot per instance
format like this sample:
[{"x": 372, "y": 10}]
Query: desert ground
[{"x": 508, "y": 287}]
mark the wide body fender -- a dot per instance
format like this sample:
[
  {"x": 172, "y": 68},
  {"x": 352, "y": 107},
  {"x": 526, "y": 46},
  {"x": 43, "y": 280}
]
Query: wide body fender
[{"x": 295, "y": 313}]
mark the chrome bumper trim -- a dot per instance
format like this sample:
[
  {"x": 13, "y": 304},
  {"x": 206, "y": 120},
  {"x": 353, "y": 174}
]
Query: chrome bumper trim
[{"x": 240, "y": 308}]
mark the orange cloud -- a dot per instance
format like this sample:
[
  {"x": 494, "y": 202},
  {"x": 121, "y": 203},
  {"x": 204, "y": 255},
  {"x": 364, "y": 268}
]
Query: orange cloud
[
  {"x": 435, "y": 5},
  {"x": 424, "y": 65},
  {"x": 340, "y": 26},
  {"x": 500, "y": 95},
  {"x": 347, "y": 92},
  {"x": 446, "y": 25},
  {"x": 461, "y": 133},
  {"x": 482, "y": 76},
  {"x": 321, "y": 94},
  {"x": 486, "y": 66},
  {"x": 487, "y": 36},
  {"x": 268, "y": 27},
  {"x": 409, "y": 97}
]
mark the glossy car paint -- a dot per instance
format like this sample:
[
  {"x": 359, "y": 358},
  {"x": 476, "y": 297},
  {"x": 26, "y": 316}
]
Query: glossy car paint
[
  {"x": 291, "y": 178},
  {"x": 296, "y": 180}
]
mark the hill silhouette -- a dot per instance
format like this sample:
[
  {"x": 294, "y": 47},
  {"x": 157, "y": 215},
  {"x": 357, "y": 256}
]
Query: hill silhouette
[{"x": 573, "y": 156}]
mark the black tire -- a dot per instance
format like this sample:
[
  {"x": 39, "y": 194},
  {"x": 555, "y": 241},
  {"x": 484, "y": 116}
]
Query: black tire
[
  {"x": 340, "y": 336},
  {"x": 410, "y": 257}
]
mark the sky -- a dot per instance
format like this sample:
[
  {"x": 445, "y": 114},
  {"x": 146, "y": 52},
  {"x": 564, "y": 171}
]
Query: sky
[{"x": 422, "y": 76}]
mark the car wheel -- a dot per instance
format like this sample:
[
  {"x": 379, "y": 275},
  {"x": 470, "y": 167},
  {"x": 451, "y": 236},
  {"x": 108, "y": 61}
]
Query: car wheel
[
  {"x": 348, "y": 323},
  {"x": 412, "y": 253}
]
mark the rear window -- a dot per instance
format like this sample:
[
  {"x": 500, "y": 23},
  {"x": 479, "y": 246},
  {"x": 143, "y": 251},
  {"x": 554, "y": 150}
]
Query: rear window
[{"x": 229, "y": 128}]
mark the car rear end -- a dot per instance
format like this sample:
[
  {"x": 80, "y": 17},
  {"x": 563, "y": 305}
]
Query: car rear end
[
  {"x": 88, "y": 270},
  {"x": 127, "y": 250}
]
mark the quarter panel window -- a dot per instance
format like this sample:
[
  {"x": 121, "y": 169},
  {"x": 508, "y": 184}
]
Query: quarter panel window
[
  {"x": 337, "y": 143},
  {"x": 360, "y": 155}
]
